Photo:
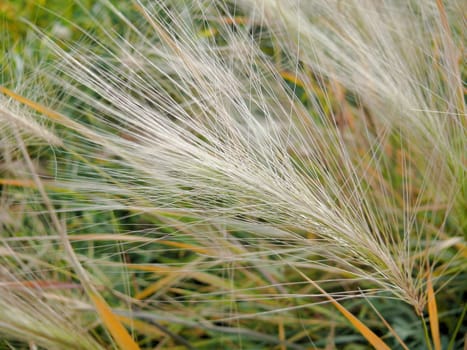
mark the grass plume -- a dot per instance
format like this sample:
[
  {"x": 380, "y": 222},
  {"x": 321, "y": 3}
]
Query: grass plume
[{"x": 205, "y": 170}]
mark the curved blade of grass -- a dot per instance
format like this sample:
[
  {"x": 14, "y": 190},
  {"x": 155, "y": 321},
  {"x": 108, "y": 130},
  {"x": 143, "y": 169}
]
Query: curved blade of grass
[
  {"x": 292, "y": 78},
  {"x": 112, "y": 323},
  {"x": 132, "y": 238},
  {"x": 388, "y": 326},
  {"x": 369, "y": 335},
  {"x": 155, "y": 327},
  {"x": 18, "y": 183},
  {"x": 57, "y": 117},
  {"x": 456, "y": 330},
  {"x": 433, "y": 314}
]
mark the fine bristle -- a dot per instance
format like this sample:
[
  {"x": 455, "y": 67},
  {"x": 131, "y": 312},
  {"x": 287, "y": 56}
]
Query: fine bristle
[{"x": 216, "y": 163}]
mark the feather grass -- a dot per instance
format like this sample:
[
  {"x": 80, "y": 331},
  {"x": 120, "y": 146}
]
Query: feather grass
[{"x": 231, "y": 153}]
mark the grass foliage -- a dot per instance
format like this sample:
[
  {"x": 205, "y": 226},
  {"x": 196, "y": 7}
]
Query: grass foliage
[{"x": 246, "y": 174}]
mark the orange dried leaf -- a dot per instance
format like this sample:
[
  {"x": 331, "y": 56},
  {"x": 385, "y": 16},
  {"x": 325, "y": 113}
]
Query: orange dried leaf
[
  {"x": 113, "y": 325},
  {"x": 433, "y": 314},
  {"x": 18, "y": 183},
  {"x": 369, "y": 335}
]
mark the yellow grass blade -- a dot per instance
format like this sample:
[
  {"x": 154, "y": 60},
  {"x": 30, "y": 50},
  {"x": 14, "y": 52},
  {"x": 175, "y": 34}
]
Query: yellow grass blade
[
  {"x": 388, "y": 326},
  {"x": 158, "y": 269},
  {"x": 200, "y": 276},
  {"x": 433, "y": 314},
  {"x": 39, "y": 108},
  {"x": 372, "y": 338},
  {"x": 18, "y": 183},
  {"x": 208, "y": 33},
  {"x": 31, "y": 184},
  {"x": 49, "y": 113},
  {"x": 291, "y": 77},
  {"x": 369, "y": 335},
  {"x": 112, "y": 323},
  {"x": 187, "y": 246},
  {"x": 172, "y": 275},
  {"x": 154, "y": 287},
  {"x": 141, "y": 326},
  {"x": 238, "y": 20}
]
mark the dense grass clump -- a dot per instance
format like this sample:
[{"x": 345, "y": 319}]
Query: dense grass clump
[{"x": 245, "y": 174}]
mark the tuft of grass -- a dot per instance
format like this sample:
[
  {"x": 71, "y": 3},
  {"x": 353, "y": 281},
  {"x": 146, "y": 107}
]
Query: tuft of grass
[{"x": 232, "y": 173}]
